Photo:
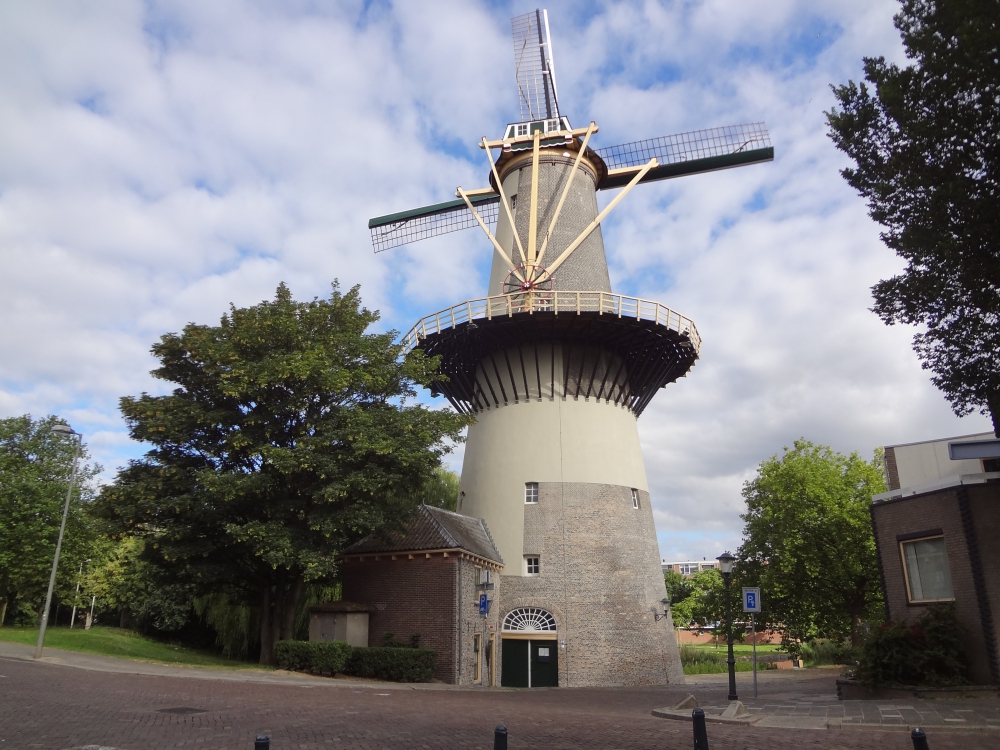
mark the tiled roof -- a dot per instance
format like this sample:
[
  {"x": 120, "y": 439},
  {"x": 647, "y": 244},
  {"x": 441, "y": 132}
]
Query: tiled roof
[{"x": 434, "y": 528}]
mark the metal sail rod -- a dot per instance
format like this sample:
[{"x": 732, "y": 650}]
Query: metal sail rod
[{"x": 551, "y": 62}]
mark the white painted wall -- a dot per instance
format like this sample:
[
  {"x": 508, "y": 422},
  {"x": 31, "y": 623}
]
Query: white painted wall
[
  {"x": 552, "y": 440},
  {"x": 928, "y": 461}
]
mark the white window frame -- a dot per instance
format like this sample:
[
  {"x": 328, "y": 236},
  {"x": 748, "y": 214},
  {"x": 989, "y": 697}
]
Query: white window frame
[
  {"x": 522, "y": 130},
  {"x": 531, "y": 493},
  {"x": 906, "y": 570},
  {"x": 635, "y": 498},
  {"x": 532, "y": 561}
]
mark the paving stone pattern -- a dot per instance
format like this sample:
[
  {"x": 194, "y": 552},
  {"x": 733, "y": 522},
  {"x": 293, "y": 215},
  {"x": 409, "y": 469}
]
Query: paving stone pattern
[{"x": 56, "y": 708}]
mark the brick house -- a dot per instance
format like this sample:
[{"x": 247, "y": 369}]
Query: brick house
[
  {"x": 935, "y": 531},
  {"x": 426, "y": 582}
]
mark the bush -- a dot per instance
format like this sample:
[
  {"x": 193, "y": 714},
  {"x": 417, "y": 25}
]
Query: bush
[
  {"x": 392, "y": 663},
  {"x": 927, "y": 653},
  {"x": 305, "y": 655},
  {"x": 823, "y": 651}
]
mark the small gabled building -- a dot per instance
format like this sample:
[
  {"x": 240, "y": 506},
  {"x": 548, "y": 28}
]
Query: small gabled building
[{"x": 427, "y": 581}]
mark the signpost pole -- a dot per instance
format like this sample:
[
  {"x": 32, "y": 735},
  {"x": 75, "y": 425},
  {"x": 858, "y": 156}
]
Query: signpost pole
[{"x": 753, "y": 634}]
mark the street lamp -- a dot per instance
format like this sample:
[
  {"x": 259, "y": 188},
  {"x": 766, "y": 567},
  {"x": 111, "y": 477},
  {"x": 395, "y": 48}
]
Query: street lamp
[
  {"x": 64, "y": 430},
  {"x": 726, "y": 561}
]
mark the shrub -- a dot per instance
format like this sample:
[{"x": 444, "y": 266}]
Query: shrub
[
  {"x": 926, "y": 653},
  {"x": 822, "y": 651},
  {"x": 331, "y": 656},
  {"x": 392, "y": 663}
]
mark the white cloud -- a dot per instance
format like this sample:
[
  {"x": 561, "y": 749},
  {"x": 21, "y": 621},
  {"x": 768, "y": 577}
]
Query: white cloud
[{"x": 160, "y": 161}]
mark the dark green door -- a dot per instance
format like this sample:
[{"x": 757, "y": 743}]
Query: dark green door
[
  {"x": 514, "y": 667},
  {"x": 544, "y": 664}
]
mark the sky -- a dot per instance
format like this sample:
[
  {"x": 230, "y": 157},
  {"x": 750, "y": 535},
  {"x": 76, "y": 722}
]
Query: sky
[{"x": 159, "y": 161}]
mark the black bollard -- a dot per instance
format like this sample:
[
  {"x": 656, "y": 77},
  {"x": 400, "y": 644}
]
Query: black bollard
[
  {"x": 263, "y": 742},
  {"x": 500, "y": 737},
  {"x": 919, "y": 739},
  {"x": 700, "y": 732}
]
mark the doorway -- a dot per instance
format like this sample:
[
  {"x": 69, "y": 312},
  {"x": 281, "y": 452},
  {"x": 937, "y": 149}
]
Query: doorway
[{"x": 530, "y": 662}]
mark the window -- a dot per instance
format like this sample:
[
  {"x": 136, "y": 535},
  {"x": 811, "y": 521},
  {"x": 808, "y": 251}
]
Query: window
[
  {"x": 552, "y": 126},
  {"x": 925, "y": 567},
  {"x": 531, "y": 492},
  {"x": 477, "y": 645},
  {"x": 635, "y": 499},
  {"x": 709, "y": 566},
  {"x": 522, "y": 129},
  {"x": 531, "y": 566},
  {"x": 513, "y": 202},
  {"x": 688, "y": 568},
  {"x": 530, "y": 619}
]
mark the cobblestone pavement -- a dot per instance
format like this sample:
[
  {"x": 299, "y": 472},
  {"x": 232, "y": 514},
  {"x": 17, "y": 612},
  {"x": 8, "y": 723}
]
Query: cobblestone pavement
[{"x": 53, "y": 707}]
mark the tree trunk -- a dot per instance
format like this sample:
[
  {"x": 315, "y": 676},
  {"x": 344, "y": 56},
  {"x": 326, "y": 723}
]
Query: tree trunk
[
  {"x": 292, "y": 607},
  {"x": 278, "y": 603},
  {"x": 855, "y": 631},
  {"x": 123, "y": 618},
  {"x": 266, "y": 629},
  {"x": 3, "y": 610},
  {"x": 41, "y": 611}
]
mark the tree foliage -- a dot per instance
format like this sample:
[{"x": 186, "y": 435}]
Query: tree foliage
[
  {"x": 808, "y": 541},
  {"x": 927, "y": 152},
  {"x": 288, "y": 435},
  {"x": 698, "y": 600},
  {"x": 35, "y": 468}
]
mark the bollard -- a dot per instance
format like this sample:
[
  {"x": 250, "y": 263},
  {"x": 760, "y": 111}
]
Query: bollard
[
  {"x": 919, "y": 739},
  {"x": 700, "y": 732},
  {"x": 263, "y": 742},
  {"x": 500, "y": 737}
]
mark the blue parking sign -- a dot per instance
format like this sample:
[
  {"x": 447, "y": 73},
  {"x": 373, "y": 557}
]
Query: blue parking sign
[
  {"x": 484, "y": 605},
  {"x": 751, "y": 600}
]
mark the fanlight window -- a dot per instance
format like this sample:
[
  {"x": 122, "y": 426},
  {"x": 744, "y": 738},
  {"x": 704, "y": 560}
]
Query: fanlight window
[{"x": 530, "y": 619}]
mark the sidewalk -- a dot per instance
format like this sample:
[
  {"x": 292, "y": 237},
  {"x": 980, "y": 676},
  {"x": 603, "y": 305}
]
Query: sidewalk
[{"x": 807, "y": 699}]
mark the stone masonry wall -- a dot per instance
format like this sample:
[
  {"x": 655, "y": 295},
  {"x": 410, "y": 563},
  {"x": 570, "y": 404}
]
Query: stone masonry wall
[{"x": 600, "y": 577}]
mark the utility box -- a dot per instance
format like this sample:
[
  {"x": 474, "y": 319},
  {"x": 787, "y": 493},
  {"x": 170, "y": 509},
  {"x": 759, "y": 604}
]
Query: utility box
[{"x": 339, "y": 621}]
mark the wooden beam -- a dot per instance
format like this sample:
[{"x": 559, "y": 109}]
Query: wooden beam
[
  {"x": 575, "y": 132},
  {"x": 506, "y": 204},
  {"x": 465, "y": 196},
  {"x": 533, "y": 215},
  {"x": 576, "y": 163}
]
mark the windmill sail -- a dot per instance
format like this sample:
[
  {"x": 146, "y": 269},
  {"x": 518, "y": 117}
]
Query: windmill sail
[
  {"x": 687, "y": 153},
  {"x": 536, "y": 76},
  {"x": 403, "y": 228}
]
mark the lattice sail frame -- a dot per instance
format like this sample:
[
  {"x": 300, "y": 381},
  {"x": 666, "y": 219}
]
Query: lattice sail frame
[
  {"x": 682, "y": 147},
  {"x": 529, "y": 619},
  {"x": 412, "y": 229},
  {"x": 537, "y": 93}
]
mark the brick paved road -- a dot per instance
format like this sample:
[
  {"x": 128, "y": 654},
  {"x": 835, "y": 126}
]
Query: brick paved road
[{"x": 56, "y": 708}]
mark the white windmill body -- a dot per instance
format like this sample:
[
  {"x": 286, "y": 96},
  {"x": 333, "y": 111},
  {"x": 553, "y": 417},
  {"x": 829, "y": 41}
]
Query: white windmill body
[{"x": 556, "y": 368}]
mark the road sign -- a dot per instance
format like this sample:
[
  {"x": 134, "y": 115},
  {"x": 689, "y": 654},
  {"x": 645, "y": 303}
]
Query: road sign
[
  {"x": 751, "y": 600},
  {"x": 484, "y": 605}
]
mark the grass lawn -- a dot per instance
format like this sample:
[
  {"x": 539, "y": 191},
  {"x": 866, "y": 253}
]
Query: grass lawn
[
  {"x": 739, "y": 649},
  {"x": 122, "y": 643}
]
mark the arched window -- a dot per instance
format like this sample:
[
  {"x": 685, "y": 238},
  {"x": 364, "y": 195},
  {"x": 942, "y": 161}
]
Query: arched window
[{"x": 529, "y": 619}]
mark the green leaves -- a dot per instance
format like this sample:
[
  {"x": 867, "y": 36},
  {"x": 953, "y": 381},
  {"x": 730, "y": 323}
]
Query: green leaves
[
  {"x": 808, "y": 540},
  {"x": 927, "y": 161},
  {"x": 289, "y": 435}
]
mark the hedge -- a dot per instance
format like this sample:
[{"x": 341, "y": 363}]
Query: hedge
[
  {"x": 395, "y": 664},
  {"x": 331, "y": 656}
]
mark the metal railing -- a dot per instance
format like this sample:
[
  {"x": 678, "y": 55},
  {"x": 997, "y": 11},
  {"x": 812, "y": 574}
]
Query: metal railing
[{"x": 558, "y": 302}]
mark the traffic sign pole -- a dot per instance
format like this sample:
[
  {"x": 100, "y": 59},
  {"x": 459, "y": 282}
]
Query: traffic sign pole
[{"x": 753, "y": 633}]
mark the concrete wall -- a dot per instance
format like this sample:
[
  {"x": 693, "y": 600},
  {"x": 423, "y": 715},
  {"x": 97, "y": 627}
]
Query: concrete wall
[
  {"x": 600, "y": 578},
  {"x": 556, "y": 440},
  {"x": 917, "y": 463},
  {"x": 942, "y": 510},
  {"x": 350, "y": 627}
]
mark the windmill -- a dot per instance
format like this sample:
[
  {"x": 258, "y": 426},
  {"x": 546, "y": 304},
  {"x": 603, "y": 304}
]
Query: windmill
[{"x": 556, "y": 369}]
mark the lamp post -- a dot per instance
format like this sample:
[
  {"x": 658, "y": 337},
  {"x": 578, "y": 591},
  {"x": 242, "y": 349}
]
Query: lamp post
[
  {"x": 65, "y": 430},
  {"x": 726, "y": 561}
]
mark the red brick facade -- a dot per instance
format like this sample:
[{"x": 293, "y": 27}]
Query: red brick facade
[{"x": 968, "y": 517}]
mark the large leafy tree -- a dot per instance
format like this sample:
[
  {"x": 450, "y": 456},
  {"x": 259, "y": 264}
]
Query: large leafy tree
[
  {"x": 288, "y": 435},
  {"x": 808, "y": 541},
  {"x": 926, "y": 144},
  {"x": 35, "y": 467}
]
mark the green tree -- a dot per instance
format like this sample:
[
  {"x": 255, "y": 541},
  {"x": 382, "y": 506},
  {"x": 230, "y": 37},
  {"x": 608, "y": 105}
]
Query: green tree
[
  {"x": 35, "y": 467},
  {"x": 808, "y": 541},
  {"x": 441, "y": 490},
  {"x": 288, "y": 436},
  {"x": 703, "y": 602},
  {"x": 927, "y": 161}
]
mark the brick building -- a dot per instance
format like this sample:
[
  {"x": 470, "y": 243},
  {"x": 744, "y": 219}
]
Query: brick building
[
  {"x": 936, "y": 530},
  {"x": 424, "y": 582}
]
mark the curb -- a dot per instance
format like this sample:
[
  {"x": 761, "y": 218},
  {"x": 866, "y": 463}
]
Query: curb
[{"x": 685, "y": 715}]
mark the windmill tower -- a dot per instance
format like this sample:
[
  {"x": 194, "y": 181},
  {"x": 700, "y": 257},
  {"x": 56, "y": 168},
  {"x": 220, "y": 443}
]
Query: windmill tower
[{"x": 556, "y": 369}]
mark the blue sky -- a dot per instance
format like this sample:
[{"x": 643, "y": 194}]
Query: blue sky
[{"x": 161, "y": 160}]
